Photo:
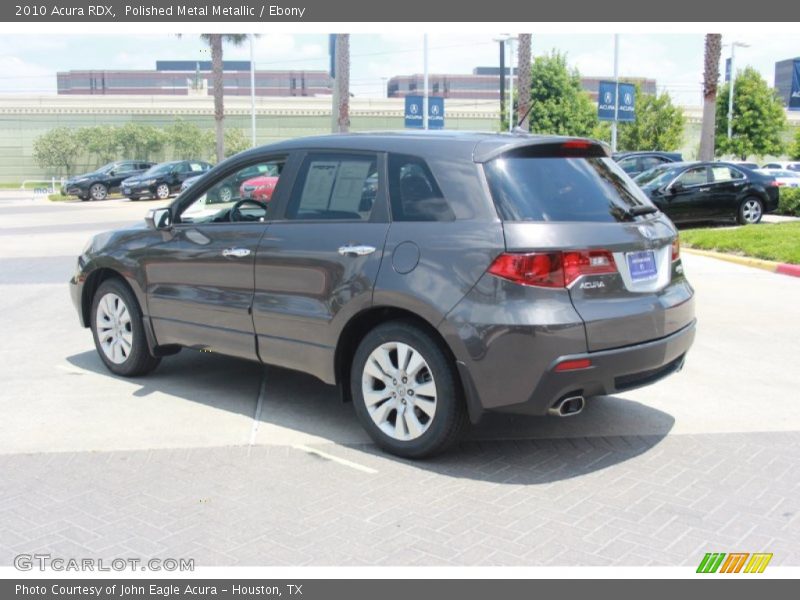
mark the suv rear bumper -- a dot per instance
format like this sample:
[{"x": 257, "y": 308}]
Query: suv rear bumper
[{"x": 611, "y": 371}]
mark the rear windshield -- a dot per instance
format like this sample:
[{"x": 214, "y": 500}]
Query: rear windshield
[{"x": 561, "y": 189}]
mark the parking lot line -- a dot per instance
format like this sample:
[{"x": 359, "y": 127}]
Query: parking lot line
[
  {"x": 336, "y": 459},
  {"x": 262, "y": 392}
]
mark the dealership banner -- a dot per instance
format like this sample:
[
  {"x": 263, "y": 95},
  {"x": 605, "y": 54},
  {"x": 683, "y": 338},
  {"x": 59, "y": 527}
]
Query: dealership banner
[
  {"x": 325, "y": 11},
  {"x": 794, "y": 97}
]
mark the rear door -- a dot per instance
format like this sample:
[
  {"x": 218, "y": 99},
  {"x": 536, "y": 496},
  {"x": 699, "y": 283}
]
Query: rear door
[
  {"x": 618, "y": 268},
  {"x": 727, "y": 185},
  {"x": 316, "y": 266}
]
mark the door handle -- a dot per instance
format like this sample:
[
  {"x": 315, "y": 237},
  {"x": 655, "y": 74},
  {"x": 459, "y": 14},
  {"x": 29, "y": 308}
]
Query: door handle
[
  {"x": 356, "y": 250},
  {"x": 235, "y": 252},
  {"x": 703, "y": 189}
]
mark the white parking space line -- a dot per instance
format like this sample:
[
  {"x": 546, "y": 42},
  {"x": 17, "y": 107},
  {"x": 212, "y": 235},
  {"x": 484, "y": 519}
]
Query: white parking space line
[
  {"x": 262, "y": 392},
  {"x": 336, "y": 459}
]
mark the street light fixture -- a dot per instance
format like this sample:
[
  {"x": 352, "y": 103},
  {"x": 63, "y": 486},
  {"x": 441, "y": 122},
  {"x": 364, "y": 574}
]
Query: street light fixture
[{"x": 733, "y": 46}]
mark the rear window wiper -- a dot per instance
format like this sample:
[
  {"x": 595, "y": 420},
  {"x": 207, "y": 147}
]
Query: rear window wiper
[{"x": 634, "y": 211}]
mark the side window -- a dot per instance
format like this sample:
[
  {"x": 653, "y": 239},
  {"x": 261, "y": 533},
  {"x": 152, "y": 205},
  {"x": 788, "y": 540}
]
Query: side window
[
  {"x": 413, "y": 191},
  {"x": 241, "y": 196},
  {"x": 648, "y": 162},
  {"x": 720, "y": 174},
  {"x": 628, "y": 164},
  {"x": 143, "y": 166},
  {"x": 334, "y": 186},
  {"x": 695, "y": 176}
]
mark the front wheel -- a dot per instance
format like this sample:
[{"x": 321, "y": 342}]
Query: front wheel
[
  {"x": 98, "y": 191},
  {"x": 162, "y": 191},
  {"x": 751, "y": 211},
  {"x": 406, "y": 391},
  {"x": 118, "y": 330}
]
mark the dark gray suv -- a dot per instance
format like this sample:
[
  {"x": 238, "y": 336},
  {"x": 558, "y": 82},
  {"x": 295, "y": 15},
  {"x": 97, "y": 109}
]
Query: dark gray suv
[{"x": 431, "y": 276}]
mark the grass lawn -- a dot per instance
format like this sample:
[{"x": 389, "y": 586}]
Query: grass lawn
[{"x": 771, "y": 241}]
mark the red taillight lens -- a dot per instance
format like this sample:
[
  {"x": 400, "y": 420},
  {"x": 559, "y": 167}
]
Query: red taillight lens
[
  {"x": 576, "y": 145},
  {"x": 676, "y": 249},
  {"x": 552, "y": 269},
  {"x": 588, "y": 262},
  {"x": 573, "y": 365},
  {"x": 541, "y": 269}
]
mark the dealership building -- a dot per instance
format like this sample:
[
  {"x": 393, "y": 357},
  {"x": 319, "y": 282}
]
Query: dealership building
[
  {"x": 189, "y": 77},
  {"x": 784, "y": 71},
  {"x": 484, "y": 84}
]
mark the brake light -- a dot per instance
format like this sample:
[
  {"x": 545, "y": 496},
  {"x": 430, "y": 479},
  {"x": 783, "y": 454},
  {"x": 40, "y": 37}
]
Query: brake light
[
  {"x": 552, "y": 269},
  {"x": 676, "y": 248},
  {"x": 576, "y": 145},
  {"x": 542, "y": 269}
]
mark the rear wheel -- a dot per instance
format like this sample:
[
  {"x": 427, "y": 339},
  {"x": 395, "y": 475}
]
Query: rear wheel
[
  {"x": 98, "y": 191},
  {"x": 406, "y": 391},
  {"x": 751, "y": 211},
  {"x": 118, "y": 331}
]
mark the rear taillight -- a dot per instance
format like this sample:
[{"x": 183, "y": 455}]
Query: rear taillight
[
  {"x": 676, "y": 249},
  {"x": 552, "y": 269}
]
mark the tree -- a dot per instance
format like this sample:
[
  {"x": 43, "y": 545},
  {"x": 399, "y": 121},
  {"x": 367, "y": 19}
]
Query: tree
[
  {"x": 523, "y": 79},
  {"x": 139, "y": 141},
  {"x": 215, "y": 42},
  {"x": 794, "y": 150},
  {"x": 659, "y": 124},
  {"x": 57, "y": 149},
  {"x": 710, "y": 82},
  {"x": 189, "y": 141},
  {"x": 560, "y": 105},
  {"x": 342, "y": 82},
  {"x": 100, "y": 141},
  {"x": 758, "y": 118},
  {"x": 235, "y": 141}
]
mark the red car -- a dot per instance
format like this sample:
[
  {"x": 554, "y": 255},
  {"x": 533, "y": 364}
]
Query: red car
[{"x": 258, "y": 188}]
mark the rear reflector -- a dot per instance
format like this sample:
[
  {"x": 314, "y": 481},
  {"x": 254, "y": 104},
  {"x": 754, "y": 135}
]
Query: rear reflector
[
  {"x": 573, "y": 365},
  {"x": 676, "y": 248},
  {"x": 552, "y": 269}
]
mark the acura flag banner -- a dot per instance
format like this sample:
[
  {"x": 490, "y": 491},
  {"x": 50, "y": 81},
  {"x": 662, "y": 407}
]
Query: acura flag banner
[
  {"x": 794, "y": 97},
  {"x": 607, "y": 109}
]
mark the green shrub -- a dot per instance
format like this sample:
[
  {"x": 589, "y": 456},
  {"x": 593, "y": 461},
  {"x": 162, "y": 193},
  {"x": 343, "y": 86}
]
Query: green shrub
[{"x": 789, "y": 202}]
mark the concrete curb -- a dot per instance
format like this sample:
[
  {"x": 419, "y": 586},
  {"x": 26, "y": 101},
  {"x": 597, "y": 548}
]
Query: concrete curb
[{"x": 748, "y": 261}]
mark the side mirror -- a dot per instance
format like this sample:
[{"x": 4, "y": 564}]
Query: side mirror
[
  {"x": 676, "y": 187},
  {"x": 158, "y": 218},
  {"x": 112, "y": 172}
]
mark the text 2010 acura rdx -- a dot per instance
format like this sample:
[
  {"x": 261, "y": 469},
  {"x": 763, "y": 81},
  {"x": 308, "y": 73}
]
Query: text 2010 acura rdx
[{"x": 485, "y": 273}]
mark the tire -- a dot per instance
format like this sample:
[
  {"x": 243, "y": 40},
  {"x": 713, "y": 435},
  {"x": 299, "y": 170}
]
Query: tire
[
  {"x": 98, "y": 191},
  {"x": 225, "y": 194},
  {"x": 162, "y": 191},
  {"x": 119, "y": 335},
  {"x": 750, "y": 211},
  {"x": 432, "y": 409}
]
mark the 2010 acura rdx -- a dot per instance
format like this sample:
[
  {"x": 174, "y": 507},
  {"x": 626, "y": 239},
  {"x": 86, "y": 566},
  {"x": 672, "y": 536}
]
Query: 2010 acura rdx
[{"x": 488, "y": 272}]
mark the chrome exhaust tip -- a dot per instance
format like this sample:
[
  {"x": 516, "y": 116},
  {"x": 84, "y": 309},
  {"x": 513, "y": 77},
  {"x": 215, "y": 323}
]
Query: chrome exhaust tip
[{"x": 567, "y": 407}]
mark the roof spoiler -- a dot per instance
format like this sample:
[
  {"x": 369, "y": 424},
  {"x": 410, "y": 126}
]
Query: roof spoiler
[{"x": 549, "y": 147}]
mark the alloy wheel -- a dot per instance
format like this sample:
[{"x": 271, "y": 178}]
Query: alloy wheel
[
  {"x": 399, "y": 391},
  {"x": 162, "y": 191},
  {"x": 98, "y": 191},
  {"x": 751, "y": 211},
  {"x": 114, "y": 328}
]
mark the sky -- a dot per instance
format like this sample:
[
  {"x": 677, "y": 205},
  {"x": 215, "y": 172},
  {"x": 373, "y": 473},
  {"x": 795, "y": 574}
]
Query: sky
[{"x": 28, "y": 63}]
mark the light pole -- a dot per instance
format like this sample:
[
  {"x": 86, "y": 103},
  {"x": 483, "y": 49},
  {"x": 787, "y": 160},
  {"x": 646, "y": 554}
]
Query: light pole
[
  {"x": 616, "y": 94},
  {"x": 502, "y": 39},
  {"x": 513, "y": 118},
  {"x": 734, "y": 45},
  {"x": 425, "y": 81},
  {"x": 252, "y": 92}
]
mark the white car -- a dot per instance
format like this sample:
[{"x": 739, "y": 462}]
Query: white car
[
  {"x": 791, "y": 165},
  {"x": 783, "y": 177}
]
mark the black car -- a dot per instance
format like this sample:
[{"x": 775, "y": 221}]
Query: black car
[
  {"x": 634, "y": 163},
  {"x": 98, "y": 184},
  {"x": 163, "y": 179},
  {"x": 431, "y": 276},
  {"x": 710, "y": 191}
]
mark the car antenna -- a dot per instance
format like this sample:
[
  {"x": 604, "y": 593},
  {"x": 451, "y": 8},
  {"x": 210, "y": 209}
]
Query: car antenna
[{"x": 518, "y": 128}]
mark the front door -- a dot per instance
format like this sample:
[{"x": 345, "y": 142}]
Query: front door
[
  {"x": 200, "y": 278},
  {"x": 316, "y": 266},
  {"x": 688, "y": 197},
  {"x": 727, "y": 184}
]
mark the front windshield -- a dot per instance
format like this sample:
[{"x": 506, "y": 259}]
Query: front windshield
[
  {"x": 160, "y": 169},
  {"x": 656, "y": 177},
  {"x": 107, "y": 168}
]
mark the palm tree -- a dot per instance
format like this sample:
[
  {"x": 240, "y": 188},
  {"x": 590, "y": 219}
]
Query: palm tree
[
  {"x": 343, "y": 82},
  {"x": 710, "y": 83},
  {"x": 215, "y": 41},
  {"x": 524, "y": 79}
]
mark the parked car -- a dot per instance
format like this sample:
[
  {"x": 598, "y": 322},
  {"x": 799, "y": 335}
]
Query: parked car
[
  {"x": 188, "y": 182},
  {"x": 783, "y": 177},
  {"x": 163, "y": 179},
  {"x": 260, "y": 187},
  {"x": 791, "y": 165},
  {"x": 742, "y": 163},
  {"x": 489, "y": 272},
  {"x": 98, "y": 184},
  {"x": 634, "y": 163},
  {"x": 710, "y": 191}
]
